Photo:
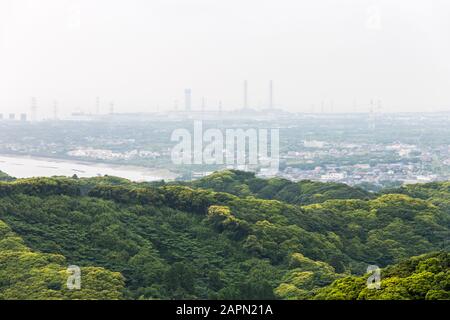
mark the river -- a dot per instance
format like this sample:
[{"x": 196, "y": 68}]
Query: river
[{"x": 26, "y": 167}]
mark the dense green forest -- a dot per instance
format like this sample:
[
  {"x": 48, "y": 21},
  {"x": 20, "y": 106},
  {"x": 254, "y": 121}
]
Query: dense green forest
[
  {"x": 423, "y": 277},
  {"x": 304, "y": 192},
  {"x": 227, "y": 236}
]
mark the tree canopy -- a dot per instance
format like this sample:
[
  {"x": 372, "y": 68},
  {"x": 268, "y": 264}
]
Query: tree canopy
[{"x": 227, "y": 236}]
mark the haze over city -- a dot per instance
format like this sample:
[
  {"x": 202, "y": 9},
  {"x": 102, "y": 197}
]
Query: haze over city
[
  {"x": 142, "y": 55},
  {"x": 214, "y": 158}
]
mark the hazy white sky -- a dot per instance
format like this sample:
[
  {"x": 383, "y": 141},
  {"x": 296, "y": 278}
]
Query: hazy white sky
[{"x": 141, "y": 54}]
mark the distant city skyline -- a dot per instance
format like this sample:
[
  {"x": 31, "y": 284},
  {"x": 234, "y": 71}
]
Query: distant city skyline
[{"x": 141, "y": 56}]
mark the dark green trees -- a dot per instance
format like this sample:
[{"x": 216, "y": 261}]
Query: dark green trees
[
  {"x": 25, "y": 274},
  {"x": 243, "y": 237}
]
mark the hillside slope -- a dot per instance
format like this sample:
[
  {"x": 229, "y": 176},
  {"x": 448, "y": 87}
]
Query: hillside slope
[
  {"x": 178, "y": 241},
  {"x": 423, "y": 277},
  {"x": 304, "y": 192},
  {"x": 25, "y": 274},
  {"x": 5, "y": 177}
]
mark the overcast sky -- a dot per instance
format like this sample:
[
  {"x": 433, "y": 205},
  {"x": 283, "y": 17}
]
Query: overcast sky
[{"x": 141, "y": 54}]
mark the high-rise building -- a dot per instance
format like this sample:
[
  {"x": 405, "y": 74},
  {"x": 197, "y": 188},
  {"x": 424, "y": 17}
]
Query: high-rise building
[{"x": 187, "y": 99}]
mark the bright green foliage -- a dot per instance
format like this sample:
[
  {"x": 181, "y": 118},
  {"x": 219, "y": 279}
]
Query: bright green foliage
[
  {"x": 303, "y": 192},
  {"x": 241, "y": 238},
  {"x": 422, "y": 277},
  {"x": 31, "y": 275},
  {"x": 305, "y": 277}
]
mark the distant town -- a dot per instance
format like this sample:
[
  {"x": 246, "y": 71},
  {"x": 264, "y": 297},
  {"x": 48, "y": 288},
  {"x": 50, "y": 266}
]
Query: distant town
[{"x": 369, "y": 149}]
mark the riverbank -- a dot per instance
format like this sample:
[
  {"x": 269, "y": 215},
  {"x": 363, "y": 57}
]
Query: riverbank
[{"x": 31, "y": 166}]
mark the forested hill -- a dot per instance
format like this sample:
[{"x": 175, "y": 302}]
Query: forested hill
[
  {"x": 304, "y": 192},
  {"x": 206, "y": 241},
  {"x": 5, "y": 177},
  {"x": 423, "y": 277},
  {"x": 25, "y": 274}
]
